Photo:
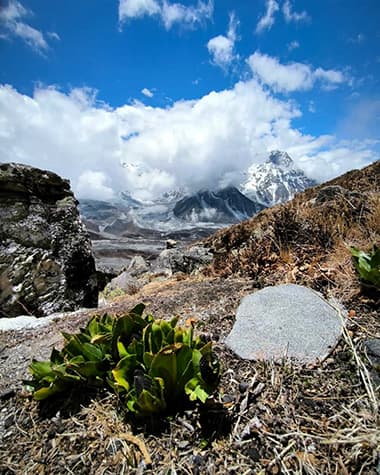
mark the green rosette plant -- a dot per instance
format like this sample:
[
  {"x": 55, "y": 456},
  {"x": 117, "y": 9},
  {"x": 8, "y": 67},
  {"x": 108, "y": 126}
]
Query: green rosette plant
[
  {"x": 367, "y": 265},
  {"x": 153, "y": 365}
]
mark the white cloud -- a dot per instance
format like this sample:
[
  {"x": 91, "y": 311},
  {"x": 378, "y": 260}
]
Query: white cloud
[
  {"x": 290, "y": 15},
  {"x": 222, "y": 47},
  {"x": 137, "y": 8},
  {"x": 330, "y": 78},
  {"x": 11, "y": 20},
  {"x": 53, "y": 35},
  {"x": 12, "y": 11},
  {"x": 169, "y": 13},
  {"x": 340, "y": 158},
  {"x": 186, "y": 15},
  {"x": 293, "y": 45},
  {"x": 293, "y": 76},
  {"x": 31, "y": 36},
  {"x": 94, "y": 185},
  {"x": 198, "y": 143},
  {"x": 267, "y": 20},
  {"x": 147, "y": 92},
  {"x": 281, "y": 78}
]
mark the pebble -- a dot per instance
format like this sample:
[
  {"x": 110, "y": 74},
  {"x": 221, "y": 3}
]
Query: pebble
[{"x": 243, "y": 386}]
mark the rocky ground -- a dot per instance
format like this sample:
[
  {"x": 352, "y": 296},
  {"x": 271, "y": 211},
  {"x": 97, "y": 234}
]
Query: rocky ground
[{"x": 266, "y": 417}]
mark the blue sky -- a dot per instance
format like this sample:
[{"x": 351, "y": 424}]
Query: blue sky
[{"x": 187, "y": 94}]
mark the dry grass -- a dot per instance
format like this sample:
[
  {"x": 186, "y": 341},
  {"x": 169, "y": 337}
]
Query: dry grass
[{"x": 305, "y": 241}]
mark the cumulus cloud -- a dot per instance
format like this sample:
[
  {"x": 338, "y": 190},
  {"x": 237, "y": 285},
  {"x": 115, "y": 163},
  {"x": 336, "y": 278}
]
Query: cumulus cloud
[
  {"x": 93, "y": 185},
  {"x": 193, "y": 144},
  {"x": 12, "y": 24},
  {"x": 147, "y": 92},
  {"x": 267, "y": 20},
  {"x": 292, "y": 16},
  {"x": 222, "y": 47},
  {"x": 169, "y": 13},
  {"x": 137, "y": 8},
  {"x": 293, "y": 76}
]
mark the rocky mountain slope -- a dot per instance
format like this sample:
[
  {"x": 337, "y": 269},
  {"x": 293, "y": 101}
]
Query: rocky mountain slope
[
  {"x": 275, "y": 181},
  {"x": 226, "y": 205}
]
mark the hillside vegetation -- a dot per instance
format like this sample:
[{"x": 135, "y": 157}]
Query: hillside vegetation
[{"x": 307, "y": 240}]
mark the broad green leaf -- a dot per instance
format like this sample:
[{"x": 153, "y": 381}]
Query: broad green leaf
[
  {"x": 164, "y": 365},
  {"x": 195, "y": 390},
  {"x": 93, "y": 326},
  {"x": 74, "y": 346},
  {"x": 174, "y": 321},
  {"x": 92, "y": 352},
  {"x": 185, "y": 368},
  {"x": 147, "y": 359},
  {"x": 121, "y": 349},
  {"x": 124, "y": 371},
  {"x": 46, "y": 392},
  {"x": 101, "y": 338},
  {"x": 40, "y": 369},
  {"x": 367, "y": 265},
  {"x": 167, "y": 333},
  {"x": 148, "y": 403},
  {"x": 89, "y": 369},
  {"x": 156, "y": 337},
  {"x": 138, "y": 310}
]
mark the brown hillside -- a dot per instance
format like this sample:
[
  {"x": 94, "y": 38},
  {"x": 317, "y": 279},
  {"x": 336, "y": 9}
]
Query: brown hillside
[{"x": 306, "y": 240}]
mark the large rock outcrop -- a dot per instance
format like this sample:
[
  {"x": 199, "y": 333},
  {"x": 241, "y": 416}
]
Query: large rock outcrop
[{"x": 46, "y": 262}]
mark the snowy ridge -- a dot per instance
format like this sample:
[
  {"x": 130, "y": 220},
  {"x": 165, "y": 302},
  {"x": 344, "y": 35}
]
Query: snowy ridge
[
  {"x": 275, "y": 181},
  {"x": 227, "y": 205}
]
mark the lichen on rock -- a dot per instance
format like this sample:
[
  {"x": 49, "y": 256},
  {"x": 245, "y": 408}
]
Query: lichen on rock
[{"x": 46, "y": 261}]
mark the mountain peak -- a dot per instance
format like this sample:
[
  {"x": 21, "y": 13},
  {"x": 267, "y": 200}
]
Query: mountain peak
[
  {"x": 275, "y": 181},
  {"x": 279, "y": 158}
]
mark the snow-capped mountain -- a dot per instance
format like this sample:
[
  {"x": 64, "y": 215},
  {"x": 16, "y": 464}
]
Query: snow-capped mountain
[
  {"x": 227, "y": 205},
  {"x": 127, "y": 199},
  {"x": 172, "y": 196},
  {"x": 275, "y": 181}
]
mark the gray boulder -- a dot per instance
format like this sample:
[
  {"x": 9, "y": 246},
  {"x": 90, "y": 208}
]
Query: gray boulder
[
  {"x": 188, "y": 260},
  {"x": 137, "y": 266},
  {"x": 333, "y": 192},
  {"x": 124, "y": 282},
  {"x": 46, "y": 261},
  {"x": 285, "y": 320}
]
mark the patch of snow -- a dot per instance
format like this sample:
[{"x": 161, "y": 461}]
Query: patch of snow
[{"x": 27, "y": 322}]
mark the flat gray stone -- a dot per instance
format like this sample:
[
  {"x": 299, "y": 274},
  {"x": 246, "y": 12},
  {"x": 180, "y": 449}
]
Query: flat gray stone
[{"x": 285, "y": 320}]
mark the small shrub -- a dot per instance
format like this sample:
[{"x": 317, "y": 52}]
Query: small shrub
[
  {"x": 153, "y": 365},
  {"x": 368, "y": 265}
]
